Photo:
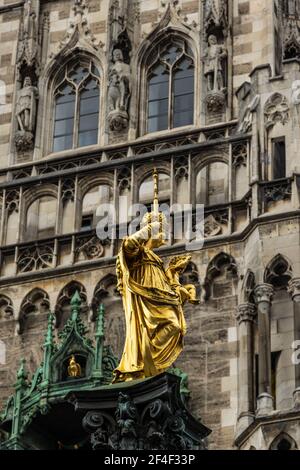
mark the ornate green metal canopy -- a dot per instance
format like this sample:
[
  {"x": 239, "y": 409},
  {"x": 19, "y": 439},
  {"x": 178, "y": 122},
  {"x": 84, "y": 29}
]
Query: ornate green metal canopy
[{"x": 38, "y": 414}]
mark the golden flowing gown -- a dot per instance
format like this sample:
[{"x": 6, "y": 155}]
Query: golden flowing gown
[{"x": 155, "y": 323}]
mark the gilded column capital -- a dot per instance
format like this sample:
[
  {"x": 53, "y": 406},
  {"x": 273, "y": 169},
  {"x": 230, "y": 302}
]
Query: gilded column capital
[
  {"x": 263, "y": 293},
  {"x": 294, "y": 289},
  {"x": 246, "y": 312}
]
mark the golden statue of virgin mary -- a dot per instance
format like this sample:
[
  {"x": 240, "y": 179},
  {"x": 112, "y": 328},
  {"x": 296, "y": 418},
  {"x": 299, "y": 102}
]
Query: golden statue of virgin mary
[{"x": 152, "y": 299}]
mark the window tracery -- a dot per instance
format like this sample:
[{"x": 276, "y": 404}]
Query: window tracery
[
  {"x": 77, "y": 105},
  {"x": 170, "y": 86}
]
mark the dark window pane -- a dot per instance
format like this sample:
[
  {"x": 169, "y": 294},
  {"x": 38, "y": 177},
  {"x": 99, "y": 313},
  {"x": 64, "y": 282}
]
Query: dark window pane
[
  {"x": 88, "y": 138},
  {"x": 65, "y": 94},
  {"x": 183, "y": 86},
  {"x": 159, "y": 74},
  {"x": 159, "y": 90},
  {"x": 158, "y": 123},
  {"x": 88, "y": 122},
  {"x": 65, "y": 110},
  {"x": 89, "y": 106},
  {"x": 183, "y": 103},
  {"x": 183, "y": 118},
  {"x": 158, "y": 107},
  {"x": 279, "y": 158},
  {"x": 89, "y": 93},
  {"x": 63, "y": 127},
  {"x": 62, "y": 143}
]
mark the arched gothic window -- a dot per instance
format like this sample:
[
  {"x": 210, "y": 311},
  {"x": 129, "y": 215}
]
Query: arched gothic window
[
  {"x": 170, "y": 87},
  {"x": 76, "y": 113}
]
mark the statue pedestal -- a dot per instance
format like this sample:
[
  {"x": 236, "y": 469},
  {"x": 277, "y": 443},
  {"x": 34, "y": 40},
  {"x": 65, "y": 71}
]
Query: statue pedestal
[{"x": 146, "y": 414}]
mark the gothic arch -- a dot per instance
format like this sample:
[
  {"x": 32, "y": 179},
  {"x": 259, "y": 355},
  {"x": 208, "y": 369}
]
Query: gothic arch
[
  {"x": 89, "y": 182},
  {"x": 283, "y": 442},
  {"x": 30, "y": 197},
  {"x": 210, "y": 157},
  {"x": 106, "y": 286},
  {"x": 35, "y": 302},
  {"x": 278, "y": 272},
  {"x": 221, "y": 263},
  {"x": 34, "y": 193},
  {"x": 62, "y": 307}
]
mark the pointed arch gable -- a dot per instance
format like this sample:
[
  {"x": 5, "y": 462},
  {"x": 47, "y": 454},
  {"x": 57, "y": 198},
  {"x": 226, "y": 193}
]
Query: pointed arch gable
[
  {"x": 279, "y": 271},
  {"x": 215, "y": 268},
  {"x": 64, "y": 298},
  {"x": 283, "y": 442}
]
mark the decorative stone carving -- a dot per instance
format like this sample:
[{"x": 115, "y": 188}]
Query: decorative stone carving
[
  {"x": 79, "y": 32},
  {"x": 294, "y": 289},
  {"x": 246, "y": 122},
  {"x": 6, "y": 308},
  {"x": 276, "y": 110},
  {"x": 263, "y": 293},
  {"x": 26, "y": 115},
  {"x": 28, "y": 45},
  {"x": 90, "y": 246},
  {"x": 12, "y": 201},
  {"x": 181, "y": 168},
  {"x": 291, "y": 30},
  {"x": 239, "y": 154},
  {"x": 35, "y": 258},
  {"x": 119, "y": 92},
  {"x": 124, "y": 179},
  {"x": 68, "y": 190},
  {"x": 215, "y": 14},
  {"x": 246, "y": 312},
  {"x": 215, "y": 102},
  {"x": 214, "y": 70},
  {"x": 212, "y": 228},
  {"x": 277, "y": 191}
]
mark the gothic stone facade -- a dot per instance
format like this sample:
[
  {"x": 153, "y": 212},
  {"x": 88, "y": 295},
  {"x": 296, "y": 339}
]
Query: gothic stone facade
[{"x": 94, "y": 93}]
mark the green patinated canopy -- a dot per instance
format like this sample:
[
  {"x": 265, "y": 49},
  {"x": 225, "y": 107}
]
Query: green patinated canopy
[{"x": 38, "y": 414}]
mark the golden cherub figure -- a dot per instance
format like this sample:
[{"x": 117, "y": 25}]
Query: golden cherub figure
[
  {"x": 176, "y": 267},
  {"x": 74, "y": 369}
]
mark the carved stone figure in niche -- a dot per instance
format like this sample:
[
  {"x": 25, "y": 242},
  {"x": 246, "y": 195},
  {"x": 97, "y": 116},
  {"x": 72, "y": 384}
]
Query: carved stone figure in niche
[
  {"x": 214, "y": 70},
  {"x": 119, "y": 92},
  {"x": 26, "y": 115}
]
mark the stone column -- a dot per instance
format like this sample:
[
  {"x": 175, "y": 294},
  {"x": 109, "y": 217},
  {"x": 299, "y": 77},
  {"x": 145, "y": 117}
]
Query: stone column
[
  {"x": 294, "y": 289},
  {"x": 245, "y": 316},
  {"x": 263, "y": 295}
]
